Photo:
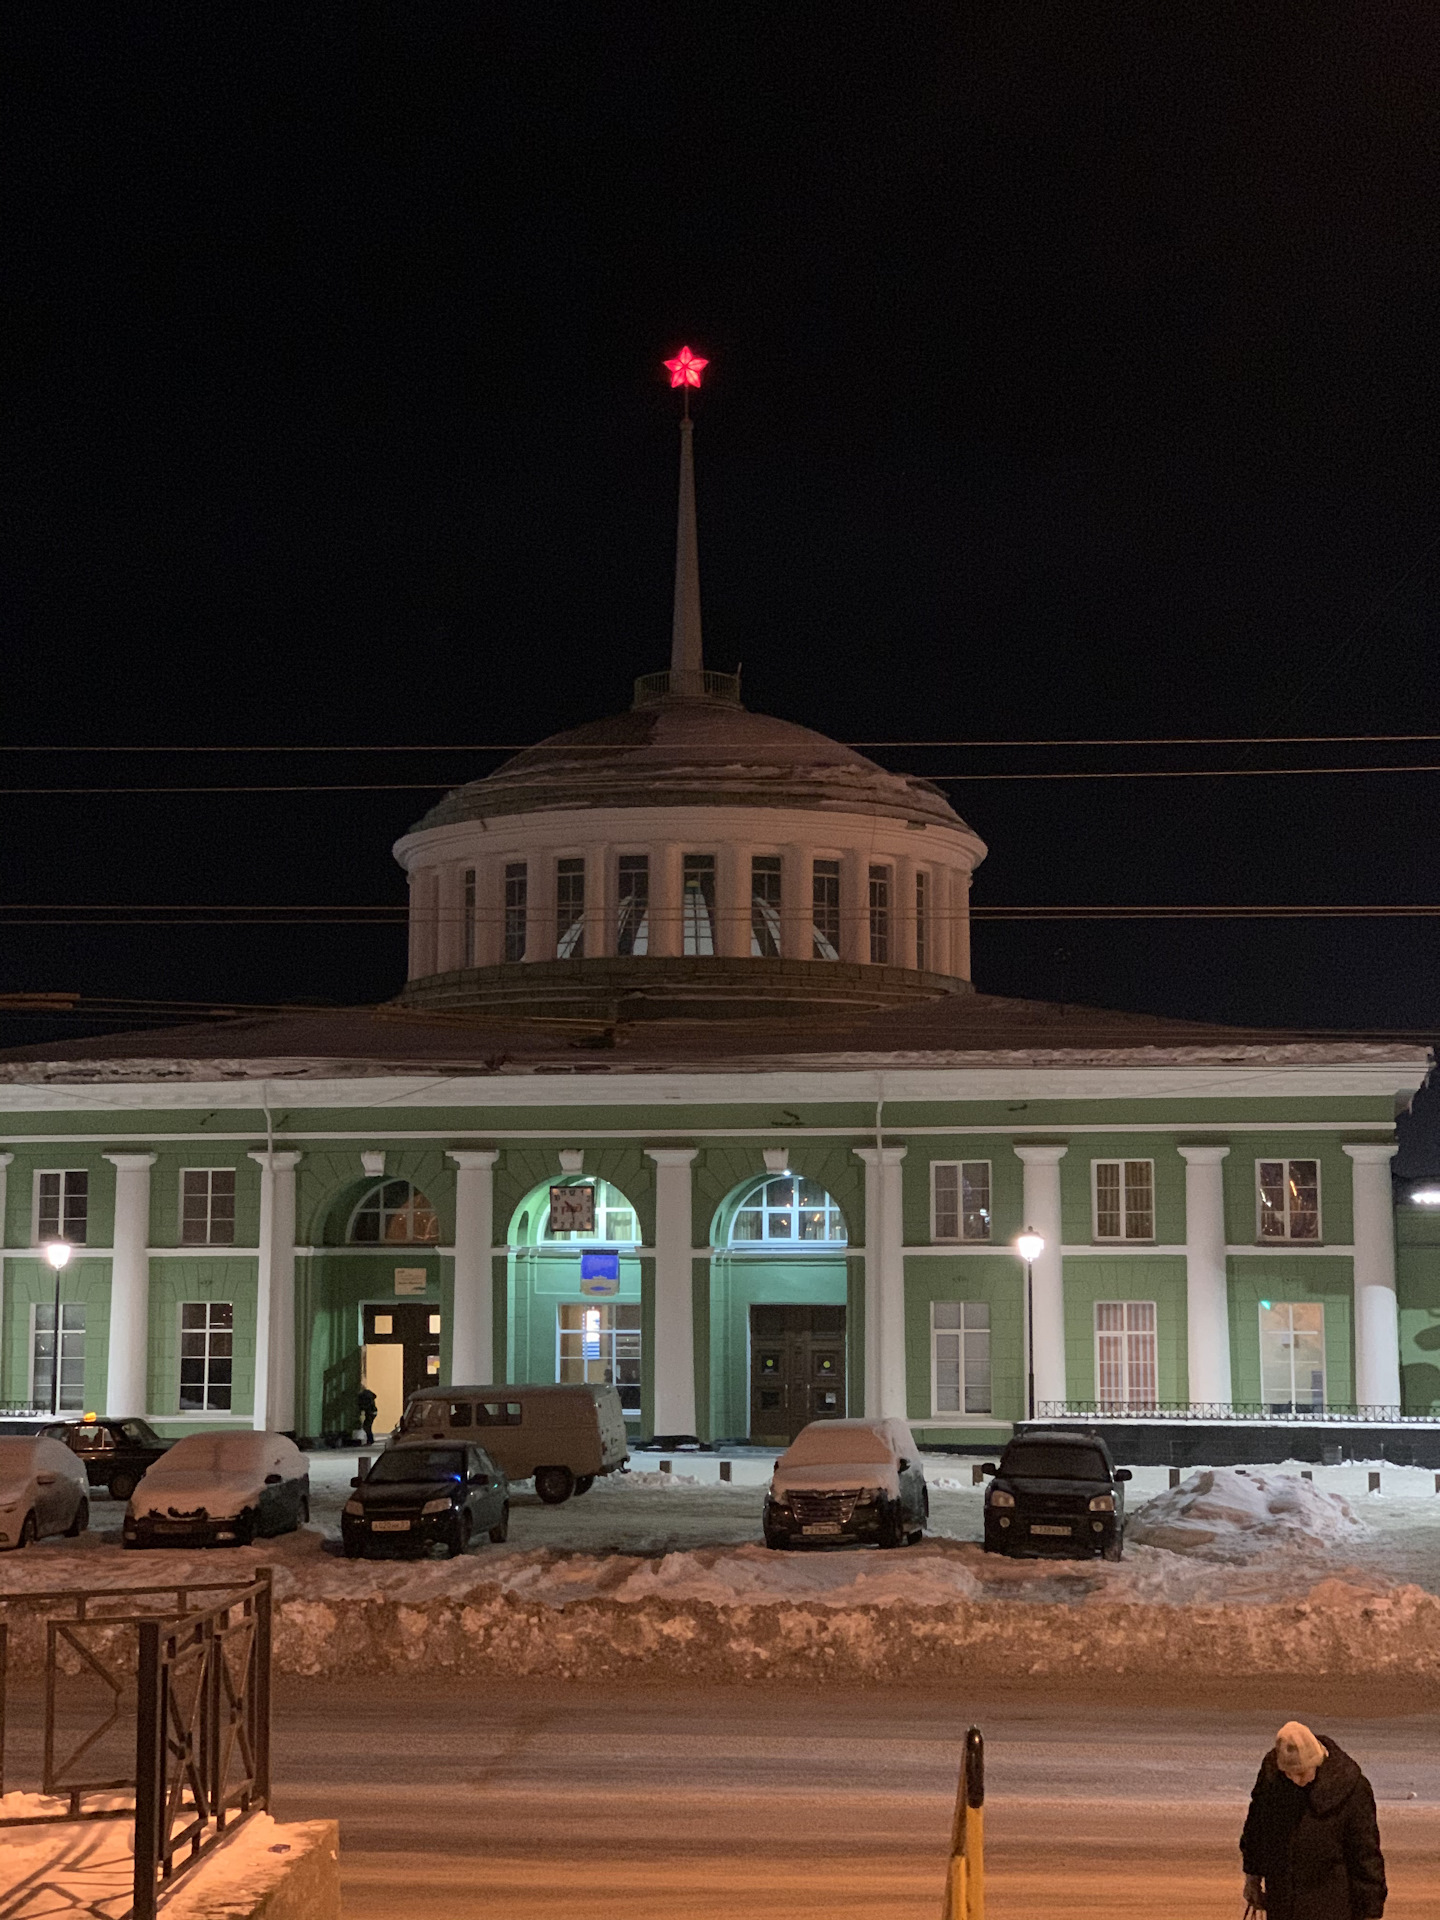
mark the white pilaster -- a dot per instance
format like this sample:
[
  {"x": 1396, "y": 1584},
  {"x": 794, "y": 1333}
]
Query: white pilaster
[
  {"x": 1207, "y": 1303},
  {"x": 797, "y": 904},
  {"x": 854, "y": 908},
  {"x": 275, "y": 1294},
  {"x": 674, "y": 1291},
  {"x": 472, "y": 1315},
  {"x": 960, "y": 926},
  {"x": 732, "y": 901},
  {"x": 902, "y": 913},
  {"x": 666, "y": 911},
  {"x": 885, "y": 1384},
  {"x": 127, "y": 1384},
  {"x": 1041, "y": 1208},
  {"x": 5, "y": 1159},
  {"x": 1377, "y": 1321}
]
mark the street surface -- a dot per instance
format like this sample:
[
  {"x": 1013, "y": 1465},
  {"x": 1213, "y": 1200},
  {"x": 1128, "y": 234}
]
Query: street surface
[{"x": 462, "y": 1800}]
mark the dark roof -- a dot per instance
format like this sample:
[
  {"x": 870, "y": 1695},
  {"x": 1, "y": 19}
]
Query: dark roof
[{"x": 956, "y": 1030}]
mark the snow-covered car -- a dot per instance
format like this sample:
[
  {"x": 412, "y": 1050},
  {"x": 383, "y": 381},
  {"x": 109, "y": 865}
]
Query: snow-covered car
[
  {"x": 43, "y": 1490},
  {"x": 1055, "y": 1493},
  {"x": 848, "y": 1480},
  {"x": 220, "y": 1489},
  {"x": 415, "y": 1498}
]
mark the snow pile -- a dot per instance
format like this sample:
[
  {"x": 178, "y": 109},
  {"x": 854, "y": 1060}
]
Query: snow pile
[{"x": 1235, "y": 1512}]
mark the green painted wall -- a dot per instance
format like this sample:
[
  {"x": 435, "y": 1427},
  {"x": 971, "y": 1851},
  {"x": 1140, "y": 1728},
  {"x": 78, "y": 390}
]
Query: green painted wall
[
  {"x": 1007, "y": 1177},
  {"x": 165, "y": 1193},
  {"x": 1076, "y": 1189},
  {"x": 330, "y": 1289},
  {"x": 1294, "y": 1276},
  {"x": 738, "y": 1282},
  {"x": 20, "y": 1186},
  {"x": 1157, "y": 1277},
  {"x": 202, "y": 1278},
  {"x": 28, "y": 1282},
  {"x": 1336, "y": 1209},
  {"x": 1418, "y": 1287},
  {"x": 996, "y": 1279}
]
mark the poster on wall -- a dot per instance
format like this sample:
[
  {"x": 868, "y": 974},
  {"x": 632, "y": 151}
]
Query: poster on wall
[
  {"x": 572, "y": 1209},
  {"x": 599, "y": 1275},
  {"x": 409, "y": 1279}
]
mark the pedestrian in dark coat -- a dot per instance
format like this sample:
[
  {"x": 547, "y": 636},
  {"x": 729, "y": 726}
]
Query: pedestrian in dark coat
[
  {"x": 369, "y": 1407},
  {"x": 1311, "y": 1845}
]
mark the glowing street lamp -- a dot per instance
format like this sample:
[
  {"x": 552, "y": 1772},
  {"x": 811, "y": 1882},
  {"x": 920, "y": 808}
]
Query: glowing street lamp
[
  {"x": 1030, "y": 1245},
  {"x": 57, "y": 1252}
]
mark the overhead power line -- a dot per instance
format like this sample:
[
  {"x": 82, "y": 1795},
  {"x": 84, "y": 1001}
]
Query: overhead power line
[
  {"x": 580, "y": 746},
  {"x": 180, "y": 913}
]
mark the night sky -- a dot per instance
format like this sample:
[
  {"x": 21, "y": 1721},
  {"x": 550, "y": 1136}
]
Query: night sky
[{"x": 1074, "y": 375}]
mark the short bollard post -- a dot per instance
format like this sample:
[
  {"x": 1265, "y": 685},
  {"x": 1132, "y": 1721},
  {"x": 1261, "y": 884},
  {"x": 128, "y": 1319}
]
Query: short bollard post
[
  {"x": 1174, "y": 1476},
  {"x": 725, "y": 1469},
  {"x": 965, "y": 1878},
  {"x": 667, "y": 1466},
  {"x": 1374, "y": 1483},
  {"x": 1306, "y": 1474},
  {"x": 1437, "y": 1483},
  {"x": 977, "y": 1474}
]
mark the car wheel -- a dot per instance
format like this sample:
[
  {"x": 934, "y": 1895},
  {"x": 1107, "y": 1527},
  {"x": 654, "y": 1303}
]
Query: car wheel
[
  {"x": 500, "y": 1532},
  {"x": 29, "y": 1531},
  {"x": 583, "y": 1483},
  {"x": 81, "y": 1521},
  {"x": 892, "y": 1527},
  {"x": 304, "y": 1510},
  {"x": 554, "y": 1484},
  {"x": 461, "y": 1541},
  {"x": 1113, "y": 1549},
  {"x": 777, "y": 1542},
  {"x": 245, "y": 1530},
  {"x": 914, "y": 1537},
  {"x": 122, "y": 1485},
  {"x": 350, "y": 1549}
]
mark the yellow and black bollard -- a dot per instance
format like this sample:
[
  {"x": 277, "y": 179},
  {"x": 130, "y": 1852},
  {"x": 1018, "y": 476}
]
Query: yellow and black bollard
[{"x": 965, "y": 1880}]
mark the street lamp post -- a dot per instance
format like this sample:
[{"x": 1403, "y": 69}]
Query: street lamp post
[
  {"x": 1029, "y": 1245},
  {"x": 58, "y": 1254}
]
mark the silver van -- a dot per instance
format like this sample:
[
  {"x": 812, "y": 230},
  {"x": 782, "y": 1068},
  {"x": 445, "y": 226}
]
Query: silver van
[{"x": 566, "y": 1437}]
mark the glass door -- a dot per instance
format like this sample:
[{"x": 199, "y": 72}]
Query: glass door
[{"x": 1292, "y": 1356}]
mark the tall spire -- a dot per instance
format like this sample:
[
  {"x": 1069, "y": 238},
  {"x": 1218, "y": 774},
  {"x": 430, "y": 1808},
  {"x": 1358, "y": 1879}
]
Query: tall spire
[{"x": 686, "y": 652}]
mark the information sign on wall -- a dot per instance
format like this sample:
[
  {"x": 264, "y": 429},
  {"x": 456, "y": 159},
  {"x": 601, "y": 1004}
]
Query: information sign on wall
[
  {"x": 409, "y": 1279},
  {"x": 599, "y": 1275}
]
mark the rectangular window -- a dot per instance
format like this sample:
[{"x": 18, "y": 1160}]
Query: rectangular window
[
  {"x": 825, "y": 885},
  {"x": 62, "y": 1202},
  {"x": 765, "y": 906},
  {"x": 1289, "y": 1199},
  {"x": 922, "y": 921},
  {"x": 467, "y": 944},
  {"x": 1126, "y": 1365},
  {"x": 1124, "y": 1199},
  {"x": 72, "y": 1357},
  {"x": 960, "y": 1199},
  {"x": 698, "y": 903},
  {"x": 517, "y": 887},
  {"x": 632, "y": 923},
  {"x": 569, "y": 909},
  {"x": 960, "y": 1356},
  {"x": 1292, "y": 1355},
  {"x": 599, "y": 1345},
  {"x": 207, "y": 1207},
  {"x": 207, "y": 1339},
  {"x": 880, "y": 916}
]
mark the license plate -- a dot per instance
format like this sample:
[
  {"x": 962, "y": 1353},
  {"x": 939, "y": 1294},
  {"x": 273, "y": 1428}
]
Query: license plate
[
  {"x": 1064, "y": 1531},
  {"x": 823, "y": 1526},
  {"x": 401, "y": 1526}
]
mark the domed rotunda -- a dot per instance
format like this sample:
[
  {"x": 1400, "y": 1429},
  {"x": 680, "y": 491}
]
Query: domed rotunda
[{"x": 688, "y": 859}]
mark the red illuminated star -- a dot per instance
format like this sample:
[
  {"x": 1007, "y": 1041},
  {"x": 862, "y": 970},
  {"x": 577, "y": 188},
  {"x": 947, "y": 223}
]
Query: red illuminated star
[{"x": 684, "y": 369}]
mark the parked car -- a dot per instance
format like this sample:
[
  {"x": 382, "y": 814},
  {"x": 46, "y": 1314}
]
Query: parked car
[
  {"x": 43, "y": 1490},
  {"x": 220, "y": 1489},
  {"x": 115, "y": 1453},
  {"x": 1055, "y": 1493},
  {"x": 564, "y": 1436},
  {"x": 419, "y": 1496},
  {"x": 848, "y": 1480}
]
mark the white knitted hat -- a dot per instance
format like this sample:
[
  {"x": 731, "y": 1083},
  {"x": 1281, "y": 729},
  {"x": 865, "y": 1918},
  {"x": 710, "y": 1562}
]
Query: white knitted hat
[{"x": 1296, "y": 1748}]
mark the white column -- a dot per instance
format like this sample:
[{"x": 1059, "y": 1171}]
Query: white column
[
  {"x": 127, "y": 1386},
  {"x": 885, "y": 1384},
  {"x": 1207, "y": 1298},
  {"x": 275, "y": 1294},
  {"x": 5, "y": 1159},
  {"x": 732, "y": 902},
  {"x": 854, "y": 908},
  {"x": 797, "y": 904},
  {"x": 960, "y": 926},
  {"x": 902, "y": 912},
  {"x": 674, "y": 1364},
  {"x": 1377, "y": 1321},
  {"x": 666, "y": 886},
  {"x": 472, "y": 1314},
  {"x": 1041, "y": 1207}
]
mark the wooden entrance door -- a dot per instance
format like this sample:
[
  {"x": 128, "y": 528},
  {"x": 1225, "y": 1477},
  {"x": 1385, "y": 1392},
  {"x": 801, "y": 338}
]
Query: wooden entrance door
[
  {"x": 401, "y": 1351},
  {"x": 797, "y": 1370}
]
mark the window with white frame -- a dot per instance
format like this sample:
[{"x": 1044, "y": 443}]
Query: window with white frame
[
  {"x": 825, "y": 893},
  {"x": 207, "y": 1342},
  {"x": 880, "y": 916},
  {"x": 1124, "y": 1199},
  {"x": 72, "y": 1356},
  {"x": 569, "y": 909},
  {"x": 517, "y": 887},
  {"x": 62, "y": 1204},
  {"x": 960, "y": 1356},
  {"x": 394, "y": 1214},
  {"x": 765, "y": 906},
  {"x": 697, "y": 903},
  {"x": 207, "y": 1207},
  {"x": 960, "y": 1200},
  {"x": 467, "y": 955},
  {"x": 615, "y": 1220},
  {"x": 599, "y": 1345},
  {"x": 1126, "y": 1362},
  {"x": 787, "y": 1208},
  {"x": 922, "y": 920},
  {"x": 1292, "y": 1355},
  {"x": 632, "y": 904},
  {"x": 1289, "y": 1199}
]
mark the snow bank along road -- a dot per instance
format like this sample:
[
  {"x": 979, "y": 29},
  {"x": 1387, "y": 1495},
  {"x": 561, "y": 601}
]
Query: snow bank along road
[
  {"x": 660, "y": 1579},
  {"x": 748, "y": 1804}
]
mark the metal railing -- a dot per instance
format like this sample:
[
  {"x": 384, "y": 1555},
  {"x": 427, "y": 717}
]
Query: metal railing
[
  {"x": 201, "y": 1749},
  {"x": 687, "y": 683},
  {"x": 1217, "y": 1410}
]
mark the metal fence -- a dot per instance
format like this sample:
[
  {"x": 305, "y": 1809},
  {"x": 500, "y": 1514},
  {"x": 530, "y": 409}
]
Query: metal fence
[
  {"x": 1212, "y": 1410},
  {"x": 198, "y": 1658}
]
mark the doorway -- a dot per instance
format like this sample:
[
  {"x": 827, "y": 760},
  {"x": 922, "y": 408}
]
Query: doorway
[
  {"x": 797, "y": 1370},
  {"x": 400, "y": 1352}
]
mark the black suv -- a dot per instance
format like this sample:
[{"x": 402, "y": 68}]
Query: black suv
[
  {"x": 116, "y": 1453},
  {"x": 1055, "y": 1493},
  {"x": 417, "y": 1497}
]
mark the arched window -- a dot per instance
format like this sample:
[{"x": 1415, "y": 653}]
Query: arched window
[
  {"x": 615, "y": 1222},
  {"x": 394, "y": 1214},
  {"x": 787, "y": 1210}
]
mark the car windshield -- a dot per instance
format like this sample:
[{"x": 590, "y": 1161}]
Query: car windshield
[
  {"x": 1040, "y": 1462},
  {"x": 417, "y": 1463},
  {"x": 141, "y": 1433}
]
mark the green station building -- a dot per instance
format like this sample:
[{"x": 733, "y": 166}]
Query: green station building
[{"x": 690, "y": 1089}]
